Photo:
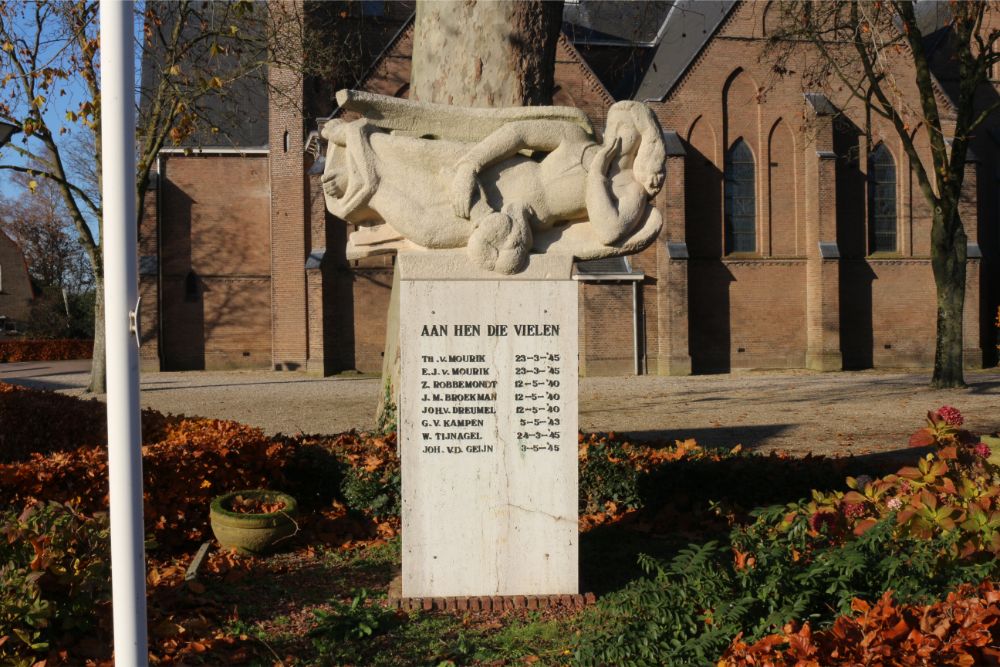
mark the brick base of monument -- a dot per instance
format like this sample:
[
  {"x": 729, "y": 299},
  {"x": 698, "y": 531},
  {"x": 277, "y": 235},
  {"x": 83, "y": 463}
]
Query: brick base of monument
[{"x": 497, "y": 603}]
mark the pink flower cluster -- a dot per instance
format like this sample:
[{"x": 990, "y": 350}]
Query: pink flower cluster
[
  {"x": 894, "y": 504},
  {"x": 951, "y": 416},
  {"x": 854, "y": 510},
  {"x": 982, "y": 450}
]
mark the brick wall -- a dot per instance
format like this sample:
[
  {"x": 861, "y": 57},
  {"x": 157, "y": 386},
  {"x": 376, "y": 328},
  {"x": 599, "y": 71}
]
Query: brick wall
[
  {"x": 215, "y": 263},
  {"x": 665, "y": 290},
  {"x": 903, "y": 313},
  {"x": 371, "y": 290},
  {"x": 606, "y": 345},
  {"x": 767, "y": 313},
  {"x": 15, "y": 287}
]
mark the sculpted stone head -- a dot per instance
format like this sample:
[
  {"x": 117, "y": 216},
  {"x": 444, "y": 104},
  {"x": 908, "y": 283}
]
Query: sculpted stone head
[{"x": 639, "y": 132}]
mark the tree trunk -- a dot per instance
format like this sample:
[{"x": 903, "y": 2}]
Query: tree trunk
[
  {"x": 98, "y": 367},
  {"x": 485, "y": 53},
  {"x": 494, "y": 53},
  {"x": 948, "y": 258}
]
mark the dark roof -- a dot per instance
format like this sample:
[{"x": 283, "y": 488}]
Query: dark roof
[
  {"x": 932, "y": 16},
  {"x": 619, "y": 68},
  {"x": 934, "y": 19},
  {"x": 617, "y": 38},
  {"x": 615, "y": 22},
  {"x": 821, "y": 104},
  {"x": 608, "y": 267},
  {"x": 688, "y": 28},
  {"x": 672, "y": 143}
]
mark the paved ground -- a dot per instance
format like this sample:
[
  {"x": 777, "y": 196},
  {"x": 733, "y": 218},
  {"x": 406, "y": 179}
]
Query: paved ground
[{"x": 799, "y": 411}]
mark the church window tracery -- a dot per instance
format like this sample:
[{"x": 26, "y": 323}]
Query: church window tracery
[
  {"x": 882, "y": 200},
  {"x": 741, "y": 200}
]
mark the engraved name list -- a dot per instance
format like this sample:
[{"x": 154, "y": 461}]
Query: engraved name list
[{"x": 460, "y": 393}]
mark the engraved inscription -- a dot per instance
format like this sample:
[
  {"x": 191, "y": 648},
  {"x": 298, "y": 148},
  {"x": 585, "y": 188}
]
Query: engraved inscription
[{"x": 533, "y": 394}]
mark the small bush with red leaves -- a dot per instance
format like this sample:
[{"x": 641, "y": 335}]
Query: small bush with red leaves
[
  {"x": 54, "y": 579},
  {"x": 959, "y": 630},
  {"x": 922, "y": 533},
  {"x": 45, "y": 350}
]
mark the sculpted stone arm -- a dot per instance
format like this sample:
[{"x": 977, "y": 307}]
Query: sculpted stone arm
[
  {"x": 538, "y": 135},
  {"x": 612, "y": 217},
  {"x": 503, "y": 143}
]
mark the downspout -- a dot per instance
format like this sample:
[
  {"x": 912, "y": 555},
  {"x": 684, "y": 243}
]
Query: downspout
[
  {"x": 159, "y": 259},
  {"x": 635, "y": 326}
]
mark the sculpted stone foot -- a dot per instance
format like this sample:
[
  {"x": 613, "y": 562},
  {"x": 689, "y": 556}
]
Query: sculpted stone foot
[{"x": 501, "y": 241}]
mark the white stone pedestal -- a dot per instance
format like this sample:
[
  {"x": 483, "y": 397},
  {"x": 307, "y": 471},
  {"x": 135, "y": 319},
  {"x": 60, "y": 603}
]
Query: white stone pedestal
[{"x": 488, "y": 427}]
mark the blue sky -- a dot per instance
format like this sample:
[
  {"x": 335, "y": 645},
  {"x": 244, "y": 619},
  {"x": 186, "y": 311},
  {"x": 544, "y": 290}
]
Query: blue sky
[{"x": 63, "y": 99}]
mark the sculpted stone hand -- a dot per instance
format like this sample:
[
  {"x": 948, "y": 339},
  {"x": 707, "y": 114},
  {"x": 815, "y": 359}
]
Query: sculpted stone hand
[
  {"x": 500, "y": 182},
  {"x": 602, "y": 160},
  {"x": 463, "y": 187}
]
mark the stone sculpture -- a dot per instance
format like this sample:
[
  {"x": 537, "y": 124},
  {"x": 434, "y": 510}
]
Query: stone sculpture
[{"x": 500, "y": 182}]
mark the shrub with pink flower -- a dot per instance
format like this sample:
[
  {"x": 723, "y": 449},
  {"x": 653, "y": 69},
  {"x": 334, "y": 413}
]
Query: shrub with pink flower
[
  {"x": 951, "y": 416},
  {"x": 944, "y": 429},
  {"x": 853, "y": 510},
  {"x": 953, "y": 489}
]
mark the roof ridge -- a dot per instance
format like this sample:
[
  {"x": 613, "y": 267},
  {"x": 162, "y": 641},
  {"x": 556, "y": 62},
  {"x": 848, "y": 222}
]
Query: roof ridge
[
  {"x": 407, "y": 27},
  {"x": 703, "y": 50},
  {"x": 595, "y": 81}
]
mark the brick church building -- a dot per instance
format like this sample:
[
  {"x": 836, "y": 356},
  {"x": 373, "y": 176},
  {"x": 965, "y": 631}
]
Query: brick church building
[{"x": 790, "y": 240}]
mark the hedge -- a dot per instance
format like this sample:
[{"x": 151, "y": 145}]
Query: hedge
[{"x": 45, "y": 350}]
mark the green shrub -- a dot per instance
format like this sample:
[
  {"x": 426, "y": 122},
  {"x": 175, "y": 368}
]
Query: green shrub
[
  {"x": 689, "y": 608},
  {"x": 55, "y": 578},
  {"x": 376, "y": 493},
  {"x": 387, "y": 418},
  {"x": 606, "y": 476}
]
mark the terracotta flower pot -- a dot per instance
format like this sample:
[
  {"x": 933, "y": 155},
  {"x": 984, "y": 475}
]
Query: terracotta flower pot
[{"x": 252, "y": 533}]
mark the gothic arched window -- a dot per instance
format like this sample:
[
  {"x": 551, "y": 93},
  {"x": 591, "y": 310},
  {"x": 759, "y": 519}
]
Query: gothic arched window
[
  {"x": 741, "y": 200},
  {"x": 882, "y": 200}
]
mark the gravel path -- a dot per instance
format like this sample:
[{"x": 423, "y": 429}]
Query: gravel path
[{"x": 798, "y": 411}]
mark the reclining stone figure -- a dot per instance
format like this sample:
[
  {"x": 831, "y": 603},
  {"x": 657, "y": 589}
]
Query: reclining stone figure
[{"x": 500, "y": 182}]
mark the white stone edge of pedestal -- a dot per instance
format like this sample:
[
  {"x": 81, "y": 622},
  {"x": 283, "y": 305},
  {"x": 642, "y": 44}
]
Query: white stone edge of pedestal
[{"x": 455, "y": 265}]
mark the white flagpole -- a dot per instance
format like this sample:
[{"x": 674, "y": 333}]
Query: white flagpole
[{"x": 128, "y": 571}]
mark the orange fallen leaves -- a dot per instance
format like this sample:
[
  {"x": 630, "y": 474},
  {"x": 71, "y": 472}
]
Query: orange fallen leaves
[
  {"x": 53, "y": 447},
  {"x": 960, "y": 630}
]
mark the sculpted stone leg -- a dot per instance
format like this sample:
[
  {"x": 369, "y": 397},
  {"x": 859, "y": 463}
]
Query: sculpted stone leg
[{"x": 427, "y": 226}]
